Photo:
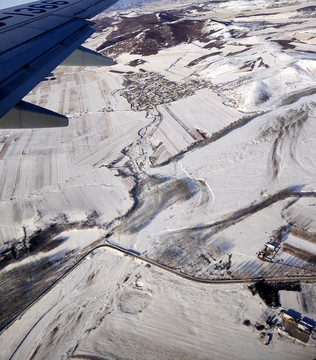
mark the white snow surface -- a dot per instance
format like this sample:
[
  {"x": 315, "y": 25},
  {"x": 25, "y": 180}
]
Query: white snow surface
[
  {"x": 100, "y": 310},
  {"x": 199, "y": 184}
]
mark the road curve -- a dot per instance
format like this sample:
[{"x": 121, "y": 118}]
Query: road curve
[
  {"x": 206, "y": 281},
  {"x": 164, "y": 267}
]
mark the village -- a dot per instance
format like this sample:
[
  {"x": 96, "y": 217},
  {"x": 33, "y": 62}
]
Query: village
[{"x": 145, "y": 90}]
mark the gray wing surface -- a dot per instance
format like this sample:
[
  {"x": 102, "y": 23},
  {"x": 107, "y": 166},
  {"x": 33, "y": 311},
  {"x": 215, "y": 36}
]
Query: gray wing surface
[{"x": 34, "y": 39}]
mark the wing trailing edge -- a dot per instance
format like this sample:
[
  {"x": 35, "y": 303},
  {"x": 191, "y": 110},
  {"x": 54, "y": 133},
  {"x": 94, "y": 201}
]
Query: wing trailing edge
[
  {"x": 31, "y": 62},
  {"x": 25, "y": 116},
  {"x": 34, "y": 39},
  {"x": 86, "y": 57}
]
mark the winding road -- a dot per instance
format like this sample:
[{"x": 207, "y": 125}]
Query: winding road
[{"x": 136, "y": 255}]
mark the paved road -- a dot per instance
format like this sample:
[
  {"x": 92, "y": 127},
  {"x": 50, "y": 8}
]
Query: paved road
[
  {"x": 206, "y": 281},
  {"x": 137, "y": 255}
]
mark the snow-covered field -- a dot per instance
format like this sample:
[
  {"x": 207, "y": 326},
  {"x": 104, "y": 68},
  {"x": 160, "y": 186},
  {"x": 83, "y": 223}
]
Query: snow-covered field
[
  {"x": 113, "y": 307},
  {"x": 193, "y": 157}
]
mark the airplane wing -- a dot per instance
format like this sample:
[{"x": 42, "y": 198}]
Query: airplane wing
[{"x": 34, "y": 39}]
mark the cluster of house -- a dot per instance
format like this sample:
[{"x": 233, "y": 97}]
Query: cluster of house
[{"x": 145, "y": 90}]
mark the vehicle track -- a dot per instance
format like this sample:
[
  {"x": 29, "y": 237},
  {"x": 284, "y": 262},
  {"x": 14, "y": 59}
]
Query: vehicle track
[{"x": 289, "y": 127}]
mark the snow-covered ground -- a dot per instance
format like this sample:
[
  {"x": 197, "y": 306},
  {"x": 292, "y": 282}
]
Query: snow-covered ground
[
  {"x": 113, "y": 307},
  {"x": 195, "y": 158}
]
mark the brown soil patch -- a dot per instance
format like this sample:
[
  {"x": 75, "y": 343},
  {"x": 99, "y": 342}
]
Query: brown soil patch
[{"x": 299, "y": 253}]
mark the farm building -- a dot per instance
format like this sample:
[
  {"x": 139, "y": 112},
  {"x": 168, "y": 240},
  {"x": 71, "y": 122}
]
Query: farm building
[
  {"x": 297, "y": 327},
  {"x": 269, "y": 251}
]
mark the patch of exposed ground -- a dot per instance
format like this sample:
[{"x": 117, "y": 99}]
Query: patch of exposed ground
[
  {"x": 102, "y": 23},
  {"x": 136, "y": 62},
  {"x": 24, "y": 284},
  {"x": 149, "y": 33},
  {"x": 28, "y": 279},
  {"x": 201, "y": 58},
  {"x": 40, "y": 240},
  {"x": 299, "y": 253},
  {"x": 269, "y": 292},
  {"x": 303, "y": 234}
]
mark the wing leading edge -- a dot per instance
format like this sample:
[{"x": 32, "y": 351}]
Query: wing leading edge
[{"x": 34, "y": 39}]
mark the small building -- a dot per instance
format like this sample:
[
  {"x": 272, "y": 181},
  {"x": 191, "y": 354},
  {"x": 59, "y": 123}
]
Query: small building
[
  {"x": 273, "y": 245},
  {"x": 288, "y": 317},
  {"x": 269, "y": 251},
  {"x": 265, "y": 338},
  {"x": 305, "y": 327},
  {"x": 297, "y": 327}
]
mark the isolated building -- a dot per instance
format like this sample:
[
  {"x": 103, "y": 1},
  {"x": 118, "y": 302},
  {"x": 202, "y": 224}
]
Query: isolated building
[
  {"x": 269, "y": 251},
  {"x": 299, "y": 328}
]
